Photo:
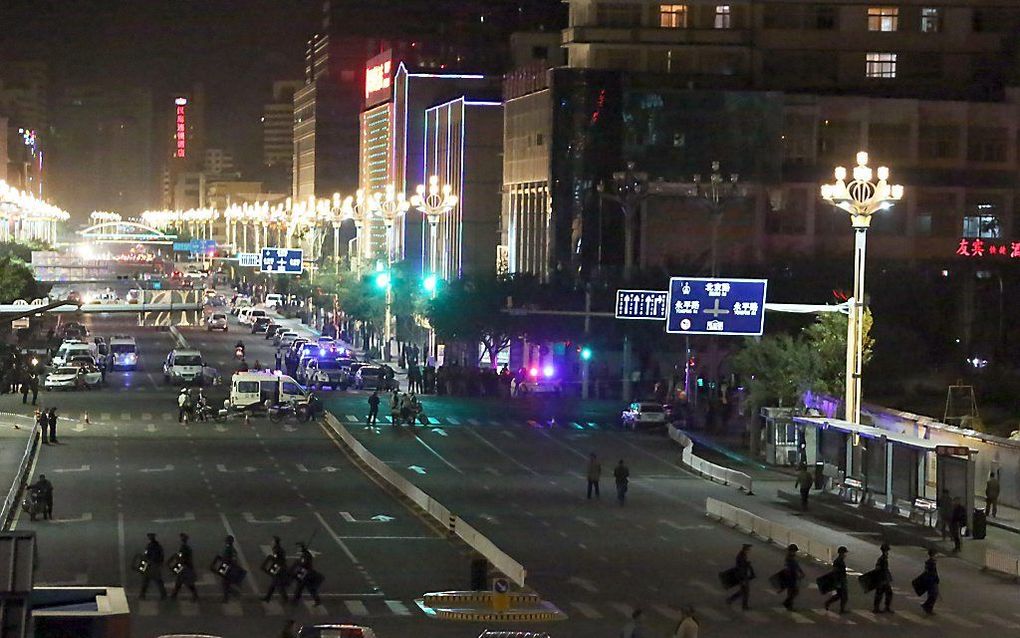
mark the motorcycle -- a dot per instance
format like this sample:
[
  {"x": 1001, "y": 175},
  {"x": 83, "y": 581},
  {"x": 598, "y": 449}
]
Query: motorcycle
[
  {"x": 301, "y": 412},
  {"x": 32, "y": 504},
  {"x": 209, "y": 413}
]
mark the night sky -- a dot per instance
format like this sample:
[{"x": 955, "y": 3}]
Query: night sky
[{"x": 234, "y": 47}]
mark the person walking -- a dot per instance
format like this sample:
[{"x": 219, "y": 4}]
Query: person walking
[
  {"x": 594, "y": 473},
  {"x": 992, "y": 495},
  {"x": 792, "y": 575},
  {"x": 153, "y": 572},
  {"x": 883, "y": 589},
  {"x": 229, "y": 556},
  {"x": 945, "y": 512},
  {"x": 635, "y": 627},
  {"x": 745, "y": 574},
  {"x": 182, "y": 405},
  {"x": 957, "y": 521},
  {"x": 373, "y": 407},
  {"x": 931, "y": 581},
  {"x": 44, "y": 489},
  {"x": 622, "y": 476},
  {"x": 43, "y": 421},
  {"x": 804, "y": 482},
  {"x": 688, "y": 626},
  {"x": 276, "y": 568},
  {"x": 183, "y": 566},
  {"x": 306, "y": 576},
  {"x": 841, "y": 592},
  {"x": 51, "y": 421},
  {"x": 33, "y": 385}
]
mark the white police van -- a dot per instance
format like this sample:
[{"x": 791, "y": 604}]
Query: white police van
[
  {"x": 123, "y": 353},
  {"x": 253, "y": 389}
]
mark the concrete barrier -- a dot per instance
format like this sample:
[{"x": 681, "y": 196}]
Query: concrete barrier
[
  {"x": 12, "y": 500},
  {"x": 1002, "y": 562},
  {"x": 460, "y": 528},
  {"x": 765, "y": 529},
  {"x": 715, "y": 472}
]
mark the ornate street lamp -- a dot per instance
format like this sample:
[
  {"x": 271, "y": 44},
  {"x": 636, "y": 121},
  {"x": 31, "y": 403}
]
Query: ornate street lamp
[
  {"x": 862, "y": 198},
  {"x": 389, "y": 206},
  {"x": 434, "y": 202},
  {"x": 359, "y": 208},
  {"x": 629, "y": 190},
  {"x": 716, "y": 193}
]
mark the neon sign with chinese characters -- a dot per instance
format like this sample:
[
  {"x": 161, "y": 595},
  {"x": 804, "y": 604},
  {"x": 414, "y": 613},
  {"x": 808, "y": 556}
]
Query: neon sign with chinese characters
[
  {"x": 181, "y": 132},
  {"x": 981, "y": 248},
  {"x": 377, "y": 78}
]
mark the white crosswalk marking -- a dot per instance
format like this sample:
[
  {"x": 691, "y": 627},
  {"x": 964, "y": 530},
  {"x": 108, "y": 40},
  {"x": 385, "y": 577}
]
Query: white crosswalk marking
[
  {"x": 314, "y": 610},
  {"x": 167, "y": 416},
  {"x": 586, "y": 610},
  {"x": 866, "y": 615},
  {"x": 434, "y": 421},
  {"x": 796, "y": 616},
  {"x": 147, "y": 608},
  {"x": 624, "y": 609},
  {"x": 995, "y": 620},
  {"x": 105, "y": 416},
  {"x": 351, "y": 418},
  {"x": 705, "y": 587},
  {"x": 189, "y": 608},
  {"x": 398, "y": 608},
  {"x": 833, "y": 616},
  {"x": 712, "y": 614},
  {"x": 756, "y": 616},
  {"x": 356, "y": 607},
  {"x": 957, "y": 620},
  {"x": 125, "y": 416},
  {"x": 232, "y": 608},
  {"x": 914, "y": 618},
  {"x": 272, "y": 608}
]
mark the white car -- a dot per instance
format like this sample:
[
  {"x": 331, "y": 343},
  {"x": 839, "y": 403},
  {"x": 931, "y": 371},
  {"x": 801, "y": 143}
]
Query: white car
[
  {"x": 71, "y": 348},
  {"x": 273, "y": 300},
  {"x": 539, "y": 381},
  {"x": 196, "y": 274},
  {"x": 643, "y": 414},
  {"x": 285, "y": 338},
  {"x": 184, "y": 366},
  {"x": 72, "y": 377},
  {"x": 123, "y": 353}
]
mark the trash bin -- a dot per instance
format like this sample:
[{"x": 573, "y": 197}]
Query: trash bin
[
  {"x": 479, "y": 574},
  {"x": 819, "y": 476},
  {"x": 978, "y": 528}
]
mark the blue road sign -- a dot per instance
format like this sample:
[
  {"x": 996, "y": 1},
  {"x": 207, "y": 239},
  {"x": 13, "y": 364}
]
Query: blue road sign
[
  {"x": 716, "y": 306},
  {"x": 641, "y": 304},
  {"x": 195, "y": 245},
  {"x": 249, "y": 259},
  {"x": 282, "y": 260}
]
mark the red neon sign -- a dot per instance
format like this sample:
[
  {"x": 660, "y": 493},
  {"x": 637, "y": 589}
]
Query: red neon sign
[
  {"x": 181, "y": 134},
  {"x": 980, "y": 248},
  {"x": 377, "y": 78}
]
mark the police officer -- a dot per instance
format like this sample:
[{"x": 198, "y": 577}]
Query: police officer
[
  {"x": 277, "y": 569},
  {"x": 304, "y": 573},
  {"x": 792, "y": 574},
  {"x": 745, "y": 572},
  {"x": 229, "y": 556},
  {"x": 154, "y": 567},
  {"x": 931, "y": 576},
  {"x": 373, "y": 407},
  {"x": 185, "y": 569},
  {"x": 841, "y": 592},
  {"x": 883, "y": 591}
]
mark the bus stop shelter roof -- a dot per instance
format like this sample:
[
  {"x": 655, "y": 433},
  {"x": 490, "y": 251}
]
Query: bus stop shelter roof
[{"x": 871, "y": 432}]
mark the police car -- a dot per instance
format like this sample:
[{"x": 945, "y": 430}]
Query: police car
[
  {"x": 643, "y": 414},
  {"x": 322, "y": 373},
  {"x": 539, "y": 381}
]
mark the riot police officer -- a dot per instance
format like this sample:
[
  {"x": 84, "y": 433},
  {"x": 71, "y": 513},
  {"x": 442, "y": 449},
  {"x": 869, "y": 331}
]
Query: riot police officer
[
  {"x": 883, "y": 592},
  {"x": 745, "y": 573},
  {"x": 841, "y": 592},
  {"x": 229, "y": 556},
  {"x": 183, "y": 566},
  {"x": 305, "y": 575},
  {"x": 276, "y": 566},
  {"x": 153, "y": 572},
  {"x": 792, "y": 575}
]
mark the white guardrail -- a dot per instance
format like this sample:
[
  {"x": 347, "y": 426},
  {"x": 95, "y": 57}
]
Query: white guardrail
[
  {"x": 456, "y": 525},
  {"x": 755, "y": 525},
  {"x": 1002, "y": 562},
  {"x": 724, "y": 475},
  {"x": 11, "y": 502}
]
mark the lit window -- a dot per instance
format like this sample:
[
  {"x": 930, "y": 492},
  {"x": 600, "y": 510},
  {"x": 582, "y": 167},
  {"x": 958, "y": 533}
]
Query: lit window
[
  {"x": 981, "y": 226},
  {"x": 722, "y": 16},
  {"x": 883, "y": 18},
  {"x": 881, "y": 65},
  {"x": 673, "y": 16},
  {"x": 931, "y": 20}
]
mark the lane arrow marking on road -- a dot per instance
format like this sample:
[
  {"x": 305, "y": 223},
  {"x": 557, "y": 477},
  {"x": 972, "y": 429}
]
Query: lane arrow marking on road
[
  {"x": 84, "y": 518},
  {"x": 378, "y": 518},
  {"x": 283, "y": 518},
  {"x": 79, "y": 428},
  {"x": 489, "y": 517},
  {"x": 439, "y": 431},
  {"x": 83, "y": 468},
  {"x": 166, "y": 468},
  {"x": 188, "y": 516},
  {"x": 329, "y": 469},
  {"x": 223, "y": 468},
  {"x": 416, "y": 468},
  {"x": 151, "y": 428}
]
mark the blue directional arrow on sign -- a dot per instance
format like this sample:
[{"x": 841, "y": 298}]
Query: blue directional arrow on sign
[
  {"x": 698, "y": 305},
  {"x": 641, "y": 304}
]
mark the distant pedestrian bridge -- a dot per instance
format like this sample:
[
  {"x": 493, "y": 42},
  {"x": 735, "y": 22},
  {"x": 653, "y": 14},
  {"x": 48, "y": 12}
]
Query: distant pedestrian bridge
[{"x": 125, "y": 232}]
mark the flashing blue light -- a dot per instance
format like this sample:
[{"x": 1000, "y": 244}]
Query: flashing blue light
[
  {"x": 322, "y": 352},
  {"x": 548, "y": 371}
]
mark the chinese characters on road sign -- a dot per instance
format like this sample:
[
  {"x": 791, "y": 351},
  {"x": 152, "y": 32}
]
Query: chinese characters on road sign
[
  {"x": 282, "y": 260},
  {"x": 713, "y": 306},
  {"x": 641, "y": 304}
]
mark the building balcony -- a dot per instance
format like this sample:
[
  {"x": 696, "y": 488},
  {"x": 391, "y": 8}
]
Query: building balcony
[{"x": 655, "y": 36}]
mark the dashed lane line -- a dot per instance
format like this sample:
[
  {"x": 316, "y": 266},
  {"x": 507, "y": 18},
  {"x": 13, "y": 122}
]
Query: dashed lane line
[
  {"x": 502, "y": 452},
  {"x": 350, "y": 555},
  {"x": 398, "y": 608},
  {"x": 586, "y": 610},
  {"x": 438, "y": 455}
]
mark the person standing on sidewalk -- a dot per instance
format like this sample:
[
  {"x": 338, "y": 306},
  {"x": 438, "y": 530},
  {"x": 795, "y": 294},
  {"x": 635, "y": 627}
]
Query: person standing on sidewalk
[
  {"x": 622, "y": 476},
  {"x": 792, "y": 575},
  {"x": 841, "y": 592},
  {"x": 883, "y": 590},
  {"x": 51, "y": 420},
  {"x": 745, "y": 574},
  {"x": 373, "y": 407},
  {"x": 931, "y": 579},
  {"x": 992, "y": 495},
  {"x": 957, "y": 521},
  {"x": 594, "y": 473},
  {"x": 804, "y": 482}
]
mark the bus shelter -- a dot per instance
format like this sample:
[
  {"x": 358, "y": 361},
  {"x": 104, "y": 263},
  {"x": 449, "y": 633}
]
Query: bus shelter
[{"x": 898, "y": 472}]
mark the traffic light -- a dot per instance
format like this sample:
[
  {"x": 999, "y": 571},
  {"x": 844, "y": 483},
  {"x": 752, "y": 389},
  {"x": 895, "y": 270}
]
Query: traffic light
[
  {"x": 382, "y": 280},
  {"x": 585, "y": 353},
  {"x": 430, "y": 283}
]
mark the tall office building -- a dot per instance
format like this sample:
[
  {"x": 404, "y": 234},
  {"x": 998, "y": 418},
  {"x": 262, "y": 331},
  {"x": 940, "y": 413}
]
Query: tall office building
[
  {"x": 278, "y": 132},
  {"x": 182, "y": 136}
]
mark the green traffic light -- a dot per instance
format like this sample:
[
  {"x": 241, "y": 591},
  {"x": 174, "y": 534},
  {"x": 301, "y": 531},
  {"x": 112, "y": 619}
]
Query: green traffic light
[
  {"x": 430, "y": 283},
  {"x": 586, "y": 353},
  {"x": 382, "y": 280}
]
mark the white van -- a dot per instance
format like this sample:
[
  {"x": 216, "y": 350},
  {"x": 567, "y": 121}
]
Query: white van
[
  {"x": 249, "y": 315},
  {"x": 273, "y": 300},
  {"x": 123, "y": 353},
  {"x": 248, "y": 389},
  {"x": 184, "y": 366},
  {"x": 71, "y": 348}
]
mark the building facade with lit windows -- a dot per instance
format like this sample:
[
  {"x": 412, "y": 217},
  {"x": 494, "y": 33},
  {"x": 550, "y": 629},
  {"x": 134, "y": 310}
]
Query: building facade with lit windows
[{"x": 779, "y": 93}]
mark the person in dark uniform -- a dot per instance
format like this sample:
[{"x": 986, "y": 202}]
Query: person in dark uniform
[
  {"x": 373, "y": 407},
  {"x": 51, "y": 421},
  {"x": 277, "y": 571},
  {"x": 44, "y": 490},
  {"x": 931, "y": 575},
  {"x": 229, "y": 556},
  {"x": 957, "y": 521},
  {"x": 304, "y": 573},
  {"x": 841, "y": 593},
  {"x": 804, "y": 481},
  {"x": 792, "y": 575},
  {"x": 746, "y": 573},
  {"x": 185, "y": 574},
  {"x": 883, "y": 592},
  {"x": 154, "y": 570}
]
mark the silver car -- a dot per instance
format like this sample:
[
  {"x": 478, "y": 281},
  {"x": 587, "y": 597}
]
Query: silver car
[{"x": 216, "y": 321}]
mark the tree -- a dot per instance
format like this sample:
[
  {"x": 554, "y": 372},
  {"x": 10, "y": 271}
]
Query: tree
[
  {"x": 16, "y": 281},
  {"x": 826, "y": 338}
]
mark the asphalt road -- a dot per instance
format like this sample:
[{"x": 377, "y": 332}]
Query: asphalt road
[{"x": 133, "y": 469}]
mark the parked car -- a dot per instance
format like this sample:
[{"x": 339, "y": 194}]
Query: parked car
[
  {"x": 285, "y": 338},
  {"x": 374, "y": 377},
  {"x": 71, "y": 378},
  {"x": 272, "y": 329},
  {"x": 644, "y": 414},
  {"x": 217, "y": 321},
  {"x": 259, "y": 325}
]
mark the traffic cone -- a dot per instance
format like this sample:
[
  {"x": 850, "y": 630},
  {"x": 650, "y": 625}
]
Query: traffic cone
[
  {"x": 247, "y": 419},
  {"x": 87, "y": 422}
]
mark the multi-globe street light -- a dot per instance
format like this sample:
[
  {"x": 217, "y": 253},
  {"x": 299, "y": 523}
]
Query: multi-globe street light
[
  {"x": 25, "y": 216},
  {"x": 389, "y": 205},
  {"x": 716, "y": 193},
  {"x": 629, "y": 191},
  {"x": 862, "y": 198},
  {"x": 434, "y": 201},
  {"x": 359, "y": 208}
]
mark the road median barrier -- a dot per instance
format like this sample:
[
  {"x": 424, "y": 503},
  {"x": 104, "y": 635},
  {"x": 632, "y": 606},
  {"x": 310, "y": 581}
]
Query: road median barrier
[
  {"x": 488, "y": 606},
  {"x": 24, "y": 468},
  {"x": 1002, "y": 562},
  {"x": 707, "y": 469},
  {"x": 779, "y": 534},
  {"x": 446, "y": 519}
]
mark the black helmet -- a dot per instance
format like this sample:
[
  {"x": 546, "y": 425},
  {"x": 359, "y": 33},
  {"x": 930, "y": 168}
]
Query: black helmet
[
  {"x": 229, "y": 539},
  {"x": 885, "y": 547},
  {"x": 842, "y": 550},
  {"x": 792, "y": 547},
  {"x": 184, "y": 537}
]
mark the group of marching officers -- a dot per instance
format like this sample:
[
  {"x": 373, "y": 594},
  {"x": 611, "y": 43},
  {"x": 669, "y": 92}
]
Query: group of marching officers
[
  {"x": 225, "y": 566},
  {"x": 834, "y": 582}
]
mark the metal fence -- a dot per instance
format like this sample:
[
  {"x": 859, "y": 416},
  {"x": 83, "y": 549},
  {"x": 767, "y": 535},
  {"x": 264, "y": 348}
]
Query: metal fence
[
  {"x": 1002, "y": 562},
  {"x": 763, "y": 528}
]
